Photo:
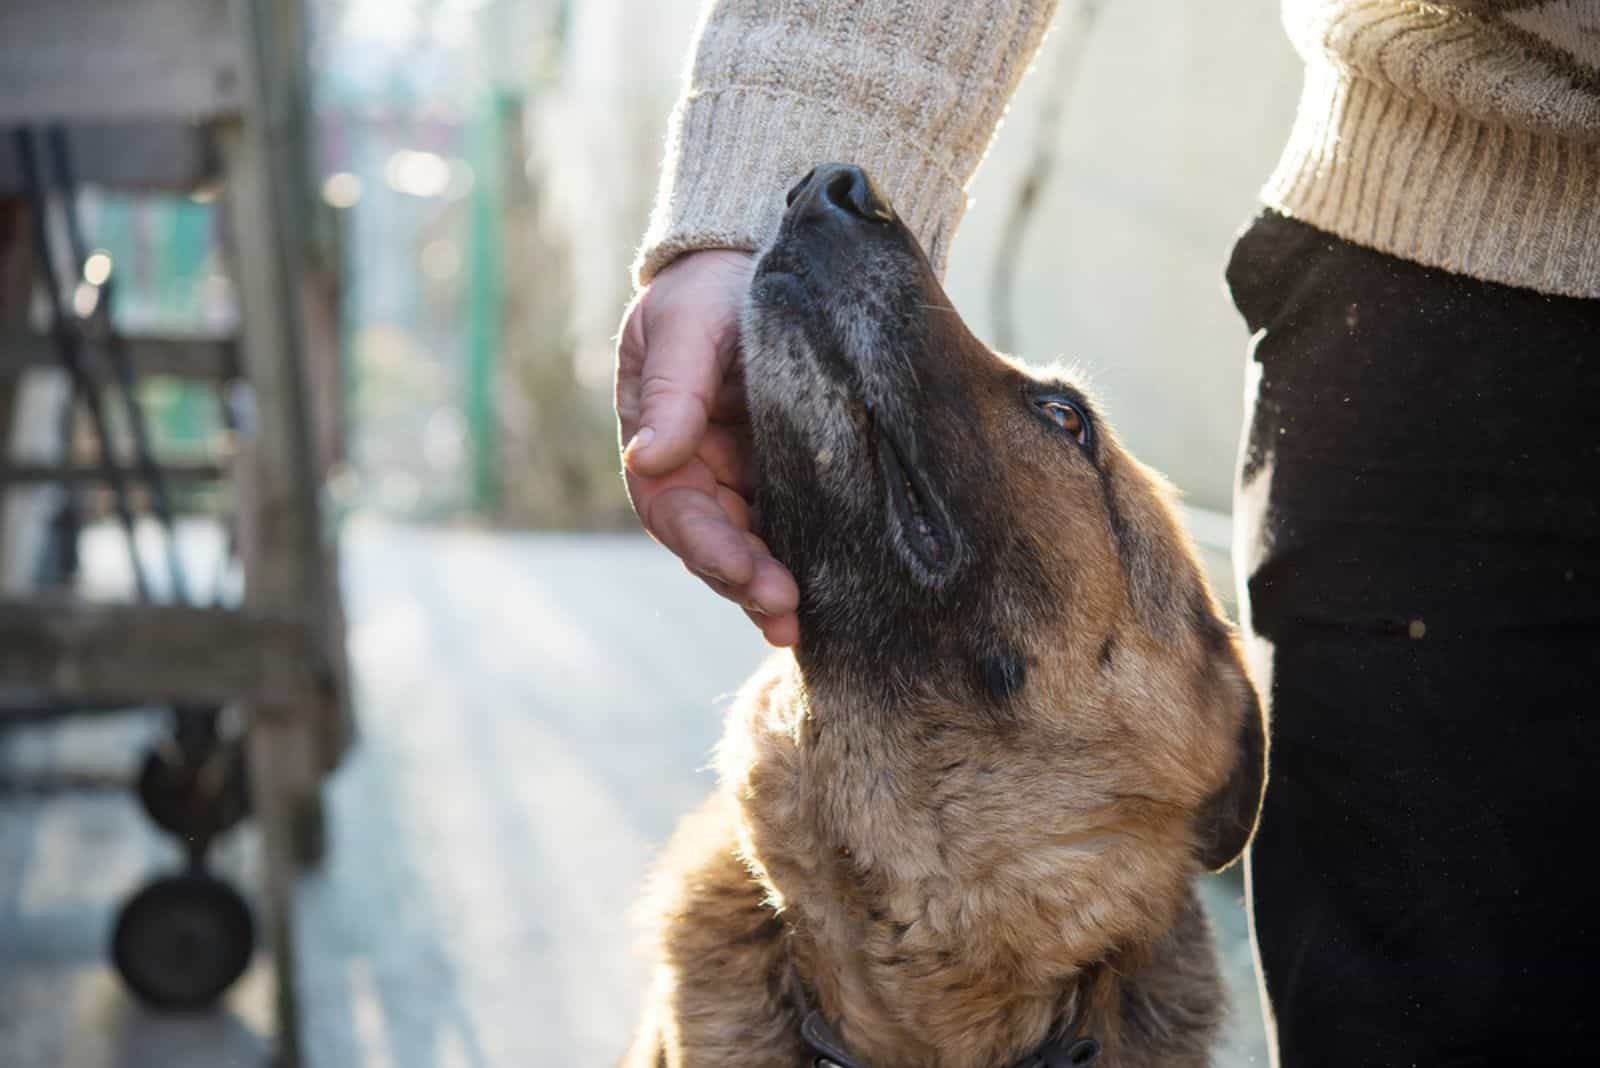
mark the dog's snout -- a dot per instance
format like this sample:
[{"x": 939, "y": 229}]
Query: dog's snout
[{"x": 839, "y": 190}]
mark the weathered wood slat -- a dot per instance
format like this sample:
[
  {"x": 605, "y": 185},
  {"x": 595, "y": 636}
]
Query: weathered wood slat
[
  {"x": 177, "y": 473},
  {"x": 280, "y": 530},
  {"x": 155, "y": 653},
  {"x": 102, "y": 60},
  {"x": 173, "y": 156},
  {"x": 178, "y": 355}
]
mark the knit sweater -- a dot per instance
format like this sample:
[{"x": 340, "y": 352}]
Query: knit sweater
[{"x": 1460, "y": 134}]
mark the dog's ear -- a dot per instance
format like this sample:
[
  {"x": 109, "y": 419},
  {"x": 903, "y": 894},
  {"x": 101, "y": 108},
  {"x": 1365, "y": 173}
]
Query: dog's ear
[{"x": 1228, "y": 818}]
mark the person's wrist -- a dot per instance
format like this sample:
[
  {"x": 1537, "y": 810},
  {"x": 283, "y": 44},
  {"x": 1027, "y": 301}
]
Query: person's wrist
[
  {"x": 659, "y": 259},
  {"x": 716, "y": 260}
]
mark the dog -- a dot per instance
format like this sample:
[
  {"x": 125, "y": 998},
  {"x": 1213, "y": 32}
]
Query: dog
[{"x": 959, "y": 826}]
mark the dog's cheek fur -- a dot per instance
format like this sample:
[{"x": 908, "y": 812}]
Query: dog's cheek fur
[
  {"x": 1165, "y": 649},
  {"x": 1217, "y": 721},
  {"x": 1227, "y": 820}
]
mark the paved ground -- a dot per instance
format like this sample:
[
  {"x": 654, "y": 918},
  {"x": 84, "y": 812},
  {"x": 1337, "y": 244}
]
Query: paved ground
[{"x": 530, "y": 732}]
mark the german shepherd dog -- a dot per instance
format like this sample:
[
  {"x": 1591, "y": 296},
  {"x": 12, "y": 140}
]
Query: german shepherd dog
[{"x": 960, "y": 825}]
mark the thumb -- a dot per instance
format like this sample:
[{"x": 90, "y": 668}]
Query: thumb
[{"x": 679, "y": 376}]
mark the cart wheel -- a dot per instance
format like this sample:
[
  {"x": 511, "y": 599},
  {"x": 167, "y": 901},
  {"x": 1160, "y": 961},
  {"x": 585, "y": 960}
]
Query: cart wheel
[
  {"x": 183, "y": 940},
  {"x": 194, "y": 796}
]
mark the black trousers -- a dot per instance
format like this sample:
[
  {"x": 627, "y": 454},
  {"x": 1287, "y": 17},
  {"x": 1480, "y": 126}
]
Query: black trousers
[{"x": 1418, "y": 515}]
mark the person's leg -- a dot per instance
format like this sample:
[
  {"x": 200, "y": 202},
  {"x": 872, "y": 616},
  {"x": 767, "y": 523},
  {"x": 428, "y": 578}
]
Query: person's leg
[{"x": 1418, "y": 531}]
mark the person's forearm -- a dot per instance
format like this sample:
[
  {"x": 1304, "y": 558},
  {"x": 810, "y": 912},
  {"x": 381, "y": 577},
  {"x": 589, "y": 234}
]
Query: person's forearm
[{"x": 910, "y": 90}]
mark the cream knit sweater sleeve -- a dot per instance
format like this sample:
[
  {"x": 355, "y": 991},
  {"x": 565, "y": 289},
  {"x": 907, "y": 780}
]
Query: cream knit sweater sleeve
[{"x": 911, "y": 90}]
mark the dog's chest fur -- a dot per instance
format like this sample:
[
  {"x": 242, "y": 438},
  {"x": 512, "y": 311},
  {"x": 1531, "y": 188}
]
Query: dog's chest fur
[{"x": 847, "y": 891}]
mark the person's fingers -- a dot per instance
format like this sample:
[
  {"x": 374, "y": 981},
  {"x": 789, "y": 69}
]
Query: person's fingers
[
  {"x": 683, "y": 422},
  {"x": 690, "y": 522},
  {"x": 771, "y": 592},
  {"x": 688, "y": 323},
  {"x": 695, "y": 474},
  {"x": 677, "y": 384},
  {"x": 726, "y": 452},
  {"x": 781, "y": 631},
  {"x": 734, "y": 507},
  {"x": 702, "y": 477},
  {"x": 772, "y": 589},
  {"x": 630, "y": 363}
]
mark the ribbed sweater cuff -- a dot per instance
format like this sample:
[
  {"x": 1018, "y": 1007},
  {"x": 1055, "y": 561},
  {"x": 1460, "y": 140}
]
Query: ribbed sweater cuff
[
  {"x": 735, "y": 151},
  {"x": 1444, "y": 189}
]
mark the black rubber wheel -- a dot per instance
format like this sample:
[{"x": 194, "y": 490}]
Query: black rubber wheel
[
  {"x": 195, "y": 797},
  {"x": 183, "y": 940}
]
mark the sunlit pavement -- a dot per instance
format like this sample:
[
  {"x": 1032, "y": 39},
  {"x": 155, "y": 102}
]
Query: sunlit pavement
[{"x": 535, "y": 713}]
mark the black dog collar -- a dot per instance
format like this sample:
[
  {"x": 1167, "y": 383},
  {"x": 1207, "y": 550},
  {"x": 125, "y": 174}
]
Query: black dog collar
[{"x": 1071, "y": 1051}]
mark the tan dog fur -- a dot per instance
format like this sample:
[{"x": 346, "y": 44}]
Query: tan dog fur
[{"x": 948, "y": 867}]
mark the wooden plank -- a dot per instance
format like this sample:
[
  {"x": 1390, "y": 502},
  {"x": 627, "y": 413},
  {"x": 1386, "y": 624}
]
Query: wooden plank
[
  {"x": 195, "y": 356},
  {"x": 280, "y": 528},
  {"x": 16, "y": 283},
  {"x": 175, "y": 155},
  {"x": 69, "y": 60},
  {"x": 177, "y": 473},
  {"x": 156, "y": 653}
]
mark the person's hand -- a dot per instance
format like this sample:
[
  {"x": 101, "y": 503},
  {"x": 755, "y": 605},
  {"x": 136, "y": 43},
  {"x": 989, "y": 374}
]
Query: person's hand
[{"x": 686, "y": 435}]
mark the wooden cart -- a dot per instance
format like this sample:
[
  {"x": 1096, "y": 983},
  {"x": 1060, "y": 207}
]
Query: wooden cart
[{"x": 184, "y": 95}]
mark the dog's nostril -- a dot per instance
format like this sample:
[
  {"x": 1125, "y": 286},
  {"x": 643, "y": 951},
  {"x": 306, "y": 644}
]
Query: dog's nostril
[
  {"x": 850, "y": 190},
  {"x": 840, "y": 189},
  {"x": 799, "y": 187}
]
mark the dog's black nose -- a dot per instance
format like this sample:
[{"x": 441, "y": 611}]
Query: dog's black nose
[{"x": 839, "y": 189}]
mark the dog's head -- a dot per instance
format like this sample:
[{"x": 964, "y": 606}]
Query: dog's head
[{"x": 970, "y": 539}]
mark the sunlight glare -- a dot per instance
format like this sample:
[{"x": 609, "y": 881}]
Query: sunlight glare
[
  {"x": 97, "y": 268},
  {"x": 419, "y": 174},
  {"x": 342, "y": 190}
]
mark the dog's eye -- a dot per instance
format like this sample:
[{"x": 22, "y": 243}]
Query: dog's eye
[{"x": 1068, "y": 416}]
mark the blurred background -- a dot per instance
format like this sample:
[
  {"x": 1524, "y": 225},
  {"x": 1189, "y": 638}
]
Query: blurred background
[{"x": 533, "y": 687}]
